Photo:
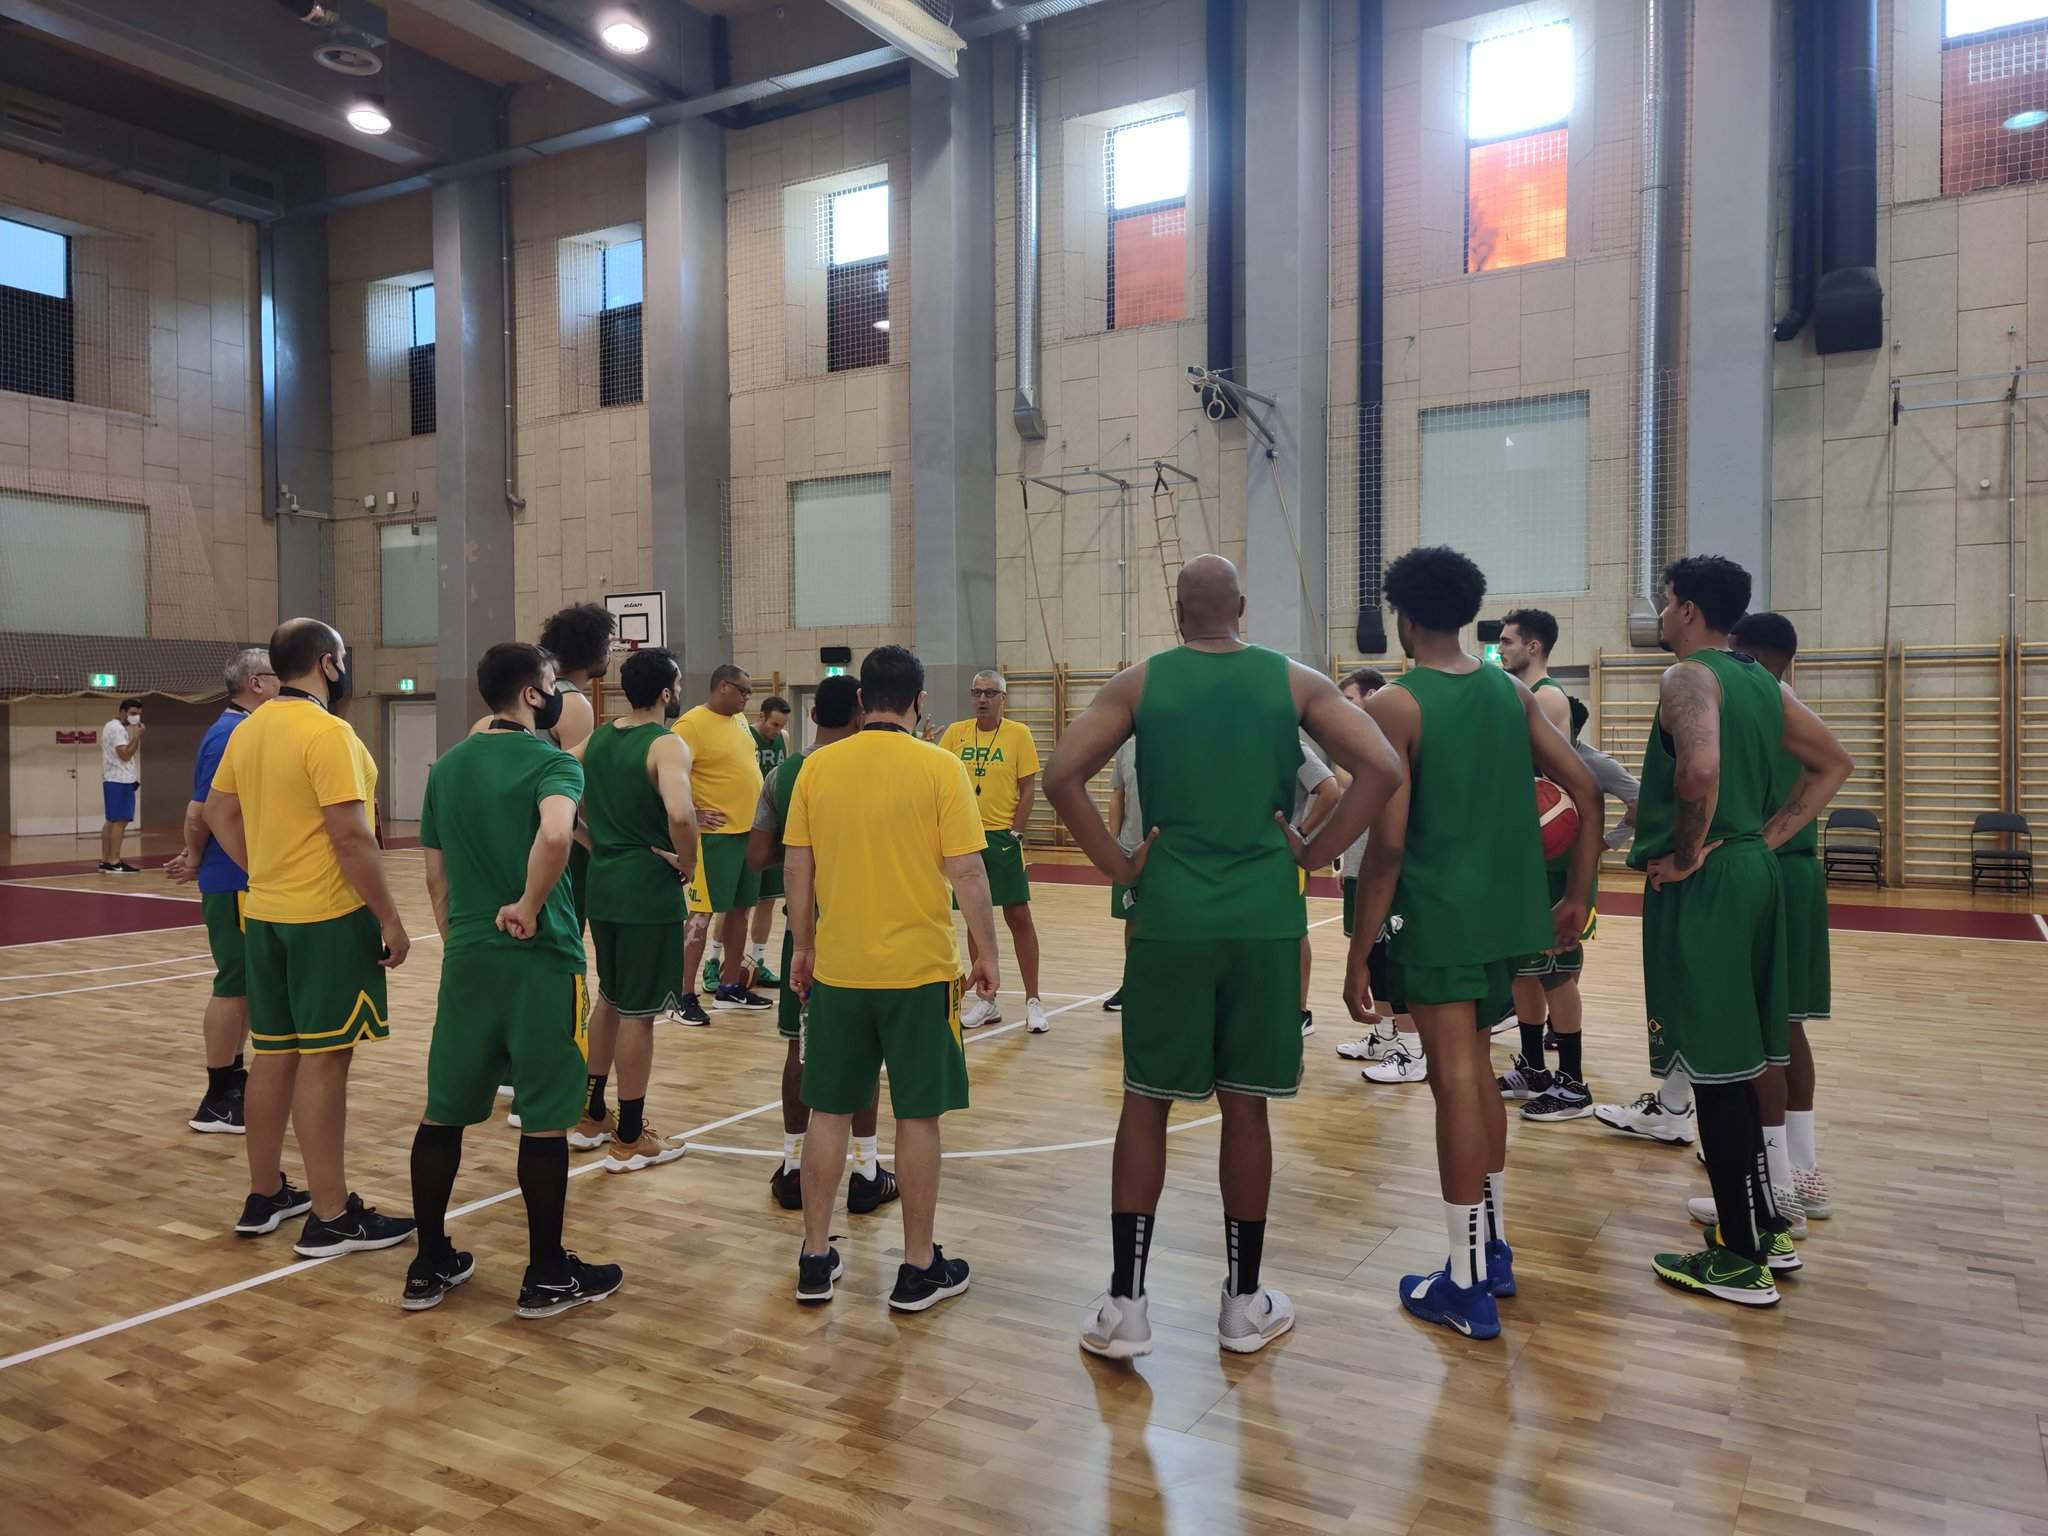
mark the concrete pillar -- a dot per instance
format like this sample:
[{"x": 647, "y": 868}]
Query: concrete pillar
[
  {"x": 298, "y": 414},
  {"x": 952, "y": 378},
  {"x": 1286, "y": 200},
  {"x": 474, "y": 520},
  {"x": 1728, "y": 384},
  {"x": 688, "y": 394}
]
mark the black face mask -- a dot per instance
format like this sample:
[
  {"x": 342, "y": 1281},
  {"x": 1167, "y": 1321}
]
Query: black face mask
[
  {"x": 338, "y": 687},
  {"x": 549, "y": 714}
]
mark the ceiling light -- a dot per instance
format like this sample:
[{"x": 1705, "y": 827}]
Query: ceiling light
[
  {"x": 624, "y": 32},
  {"x": 2020, "y": 122},
  {"x": 366, "y": 114}
]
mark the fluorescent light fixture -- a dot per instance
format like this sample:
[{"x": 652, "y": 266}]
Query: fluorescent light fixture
[
  {"x": 1519, "y": 82},
  {"x": 624, "y": 32},
  {"x": 911, "y": 27},
  {"x": 2020, "y": 122},
  {"x": 366, "y": 114}
]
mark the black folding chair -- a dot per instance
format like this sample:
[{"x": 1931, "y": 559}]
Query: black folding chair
[
  {"x": 1854, "y": 857},
  {"x": 2001, "y": 851}
]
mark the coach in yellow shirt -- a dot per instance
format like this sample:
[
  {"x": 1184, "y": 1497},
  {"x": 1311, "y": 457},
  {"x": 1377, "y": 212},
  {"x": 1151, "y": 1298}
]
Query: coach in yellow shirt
[
  {"x": 1001, "y": 760},
  {"x": 294, "y": 803},
  {"x": 878, "y": 825},
  {"x": 725, "y": 781}
]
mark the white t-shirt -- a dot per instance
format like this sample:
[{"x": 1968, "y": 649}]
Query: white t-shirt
[
  {"x": 114, "y": 734},
  {"x": 1123, "y": 775}
]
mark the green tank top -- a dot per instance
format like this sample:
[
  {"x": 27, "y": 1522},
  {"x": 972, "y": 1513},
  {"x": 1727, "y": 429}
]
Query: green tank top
[
  {"x": 1752, "y": 726},
  {"x": 1472, "y": 887},
  {"x": 1218, "y": 748},
  {"x": 579, "y": 856},
  {"x": 629, "y": 882},
  {"x": 1550, "y": 682}
]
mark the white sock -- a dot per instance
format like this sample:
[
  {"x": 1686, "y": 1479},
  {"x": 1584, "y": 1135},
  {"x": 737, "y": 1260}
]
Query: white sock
[
  {"x": 715, "y": 951},
  {"x": 760, "y": 953},
  {"x": 1496, "y": 1206},
  {"x": 1465, "y": 1225},
  {"x": 1799, "y": 1138},
  {"x": 1776, "y": 1158},
  {"x": 792, "y": 1151},
  {"x": 865, "y": 1162},
  {"x": 1675, "y": 1093}
]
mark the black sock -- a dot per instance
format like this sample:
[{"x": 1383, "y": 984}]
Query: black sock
[
  {"x": 219, "y": 1080},
  {"x": 1247, "y": 1244},
  {"x": 1732, "y": 1137},
  {"x": 1532, "y": 1043},
  {"x": 596, "y": 1081},
  {"x": 1130, "y": 1239},
  {"x": 631, "y": 1122},
  {"x": 1571, "y": 1055},
  {"x": 436, "y": 1154},
  {"x": 544, "y": 1182}
]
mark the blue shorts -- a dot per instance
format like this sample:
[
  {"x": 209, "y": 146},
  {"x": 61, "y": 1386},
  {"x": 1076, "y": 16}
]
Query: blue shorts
[{"x": 120, "y": 800}]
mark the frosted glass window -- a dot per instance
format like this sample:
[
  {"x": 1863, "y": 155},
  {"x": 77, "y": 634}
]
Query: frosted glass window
[
  {"x": 35, "y": 260},
  {"x": 860, "y": 224},
  {"x": 1148, "y": 162},
  {"x": 1519, "y": 82},
  {"x": 409, "y": 583},
  {"x": 841, "y": 536},
  {"x": 1507, "y": 483},
  {"x": 73, "y": 567},
  {"x": 1966, "y": 16},
  {"x": 624, "y": 275}
]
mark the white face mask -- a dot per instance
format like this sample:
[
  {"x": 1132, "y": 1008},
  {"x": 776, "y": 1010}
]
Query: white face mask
[{"x": 135, "y": 719}]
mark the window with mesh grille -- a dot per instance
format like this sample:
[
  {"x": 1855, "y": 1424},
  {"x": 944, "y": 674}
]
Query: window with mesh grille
[
  {"x": 619, "y": 377},
  {"x": 1509, "y": 482},
  {"x": 37, "y": 345},
  {"x": 1518, "y": 96},
  {"x": 409, "y": 583},
  {"x": 840, "y": 537},
  {"x": 1994, "y": 94},
  {"x": 1145, "y": 166},
  {"x": 856, "y": 240},
  {"x": 419, "y": 360}
]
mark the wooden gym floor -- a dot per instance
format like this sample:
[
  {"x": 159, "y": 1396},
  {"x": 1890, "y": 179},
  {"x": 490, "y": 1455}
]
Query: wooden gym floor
[{"x": 158, "y": 1375}]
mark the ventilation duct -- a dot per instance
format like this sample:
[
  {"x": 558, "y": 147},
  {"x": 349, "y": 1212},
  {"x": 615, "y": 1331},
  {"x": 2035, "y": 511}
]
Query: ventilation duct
[
  {"x": 1027, "y": 412},
  {"x": 1371, "y": 632},
  {"x": 1848, "y": 307},
  {"x": 1806, "y": 92}
]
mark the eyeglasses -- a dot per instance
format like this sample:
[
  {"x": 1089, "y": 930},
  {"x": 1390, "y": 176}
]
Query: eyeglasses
[{"x": 984, "y": 693}]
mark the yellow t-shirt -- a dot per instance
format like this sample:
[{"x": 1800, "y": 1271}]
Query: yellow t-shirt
[
  {"x": 880, "y": 812},
  {"x": 725, "y": 774},
  {"x": 995, "y": 761},
  {"x": 286, "y": 762}
]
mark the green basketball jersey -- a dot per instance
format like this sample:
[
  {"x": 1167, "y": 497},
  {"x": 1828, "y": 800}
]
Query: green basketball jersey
[
  {"x": 629, "y": 882},
  {"x": 1785, "y": 771},
  {"x": 769, "y": 754},
  {"x": 481, "y": 811},
  {"x": 1472, "y": 887},
  {"x": 784, "y": 788},
  {"x": 1218, "y": 748},
  {"x": 1752, "y": 727},
  {"x": 1550, "y": 682}
]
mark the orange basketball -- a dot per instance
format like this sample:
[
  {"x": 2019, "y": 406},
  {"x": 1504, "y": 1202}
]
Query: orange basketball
[{"x": 1556, "y": 818}]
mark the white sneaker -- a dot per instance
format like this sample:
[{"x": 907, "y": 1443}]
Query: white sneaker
[
  {"x": 1035, "y": 1021},
  {"x": 1118, "y": 1327},
  {"x": 1648, "y": 1118},
  {"x": 1701, "y": 1209},
  {"x": 1399, "y": 1065},
  {"x": 1370, "y": 1046},
  {"x": 515, "y": 1122},
  {"x": 978, "y": 1011},
  {"x": 1245, "y": 1324},
  {"x": 1812, "y": 1187},
  {"x": 505, "y": 1090}
]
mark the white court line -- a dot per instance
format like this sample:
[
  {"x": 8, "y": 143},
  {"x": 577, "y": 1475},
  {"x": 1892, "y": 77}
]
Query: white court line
[
  {"x": 100, "y": 938},
  {"x": 2041, "y": 923},
  {"x": 890, "y": 1157},
  {"x": 100, "y": 970},
  {"x": 90, "y": 890},
  {"x": 105, "y": 986}
]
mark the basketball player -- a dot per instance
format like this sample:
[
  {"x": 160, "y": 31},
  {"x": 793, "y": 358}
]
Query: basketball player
[
  {"x": 836, "y": 714},
  {"x": 878, "y": 824},
  {"x": 1213, "y": 966},
  {"x": 223, "y": 885},
  {"x": 1001, "y": 759},
  {"x": 1127, "y": 826},
  {"x": 643, "y": 849},
  {"x": 294, "y": 803},
  {"x": 1714, "y": 961},
  {"x": 1546, "y": 985},
  {"x": 497, "y": 825},
  {"x": 725, "y": 775},
  {"x": 1457, "y": 852},
  {"x": 771, "y": 749}
]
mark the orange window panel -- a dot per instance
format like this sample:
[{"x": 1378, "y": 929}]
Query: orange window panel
[
  {"x": 1983, "y": 85},
  {"x": 1148, "y": 268},
  {"x": 1514, "y": 201}
]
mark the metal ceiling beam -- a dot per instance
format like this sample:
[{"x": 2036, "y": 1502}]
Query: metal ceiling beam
[{"x": 541, "y": 41}]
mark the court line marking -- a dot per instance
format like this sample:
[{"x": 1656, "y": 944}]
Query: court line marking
[
  {"x": 104, "y": 986},
  {"x": 890, "y": 1157},
  {"x": 2041, "y": 923},
  {"x": 88, "y": 890},
  {"x": 100, "y": 938},
  {"x": 100, "y": 970}
]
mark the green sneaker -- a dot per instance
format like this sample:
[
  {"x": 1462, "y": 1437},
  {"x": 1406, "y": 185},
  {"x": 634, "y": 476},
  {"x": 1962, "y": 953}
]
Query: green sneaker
[
  {"x": 764, "y": 975},
  {"x": 1780, "y": 1253},
  {"x": 1714, "y": 1271},
  {"x": 710, "y": 974}
]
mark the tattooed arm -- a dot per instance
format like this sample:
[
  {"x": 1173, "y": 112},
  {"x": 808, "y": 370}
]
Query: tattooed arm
[
  {"x": 1824, "y": 768},
  {"x": 1689, "y": 706}
]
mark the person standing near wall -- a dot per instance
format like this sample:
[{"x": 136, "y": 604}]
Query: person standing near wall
[
  {"x": 771, "y": 748},
  {"x": 120, "y": 783},
  {"x": 725, "y": 776}
]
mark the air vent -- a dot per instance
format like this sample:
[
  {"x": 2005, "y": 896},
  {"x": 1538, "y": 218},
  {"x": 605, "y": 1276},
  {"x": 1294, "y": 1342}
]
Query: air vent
[{"x": 348, "y": 59}]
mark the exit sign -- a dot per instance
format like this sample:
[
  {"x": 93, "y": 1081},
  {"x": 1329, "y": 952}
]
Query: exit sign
[
  {"x": 100, "y": 680},
  {"x": 1492, "y": 655},
  {"x": 407, "y": 685},
  {"x": 835, "y": 671}
]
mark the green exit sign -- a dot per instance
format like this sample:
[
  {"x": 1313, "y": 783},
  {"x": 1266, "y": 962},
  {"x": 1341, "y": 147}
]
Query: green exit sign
[
  {"x": 407, "y": 685},
  {"x": 1493, "y": 655},
  {"x": 835, "y": 671},
  {"x": 100, "y": 680}
]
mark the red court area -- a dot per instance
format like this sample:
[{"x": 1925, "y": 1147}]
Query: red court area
[{"x": 36, "y": 914}]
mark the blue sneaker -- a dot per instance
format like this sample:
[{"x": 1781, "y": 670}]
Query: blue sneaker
[
  {"x": 1500, "y": 1267},
  {"x": 1469, "y": 1309}
]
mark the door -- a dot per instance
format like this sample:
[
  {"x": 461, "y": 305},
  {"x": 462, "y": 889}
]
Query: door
[
  {"x": 409, "y": 753},
  {"x": 54, "y": 765},
  {"x": 801, "y": 732}
]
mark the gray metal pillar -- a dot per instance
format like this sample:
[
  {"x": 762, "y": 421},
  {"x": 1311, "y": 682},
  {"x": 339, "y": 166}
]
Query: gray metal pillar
[
  {"x": 688, "y": 416},
  {"x": 298, "y": 414},
  {"x": 1728, "y": 380},
  {"x": 952, "y": 378},
  {"x": 1286, "y": 199},
  {"x": 474, "y": 521}
]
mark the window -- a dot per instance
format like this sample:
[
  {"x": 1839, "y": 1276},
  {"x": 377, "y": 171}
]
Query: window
[
  {"x": 409, "y": 583},
  {"x": 1518, "y": 96},
  {"x": 1508, "y": 483},
  {"x": 856, "y": 240},
  {"x": 73, "y": 567},
  {"x": 419, "y": 359},
  {"x": 1146, "y": 168},
  {"x": 36, "y": 321},
  {"x": 1994, "y": 94},
  {"x": 623, "y": 282},
  {"x": 840, "y": 531}
]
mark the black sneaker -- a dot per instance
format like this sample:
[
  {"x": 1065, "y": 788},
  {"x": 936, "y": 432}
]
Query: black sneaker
[
  {"x": 358, "y": 1228},
  {"x": 1308, "y": 1023},
  {"x": 585, "y": 1282},
  {"x": 864, "y": 1195},
  {"x": 221, "y": 1115},
  {"x": 427, "y": 1280},
  {"x": 815, "y": 1273},
  {"x": 262, "y": 1213},
  {"x": 917, "y": 1289},
  {"x": 1114, "y": 1003},
  {"x": 1567, "y": 1099},
  {"x": 692, "y": 1012},
  {"x": 787, "y": 1186},
  {"x": 1549, "y": 1038},
  {"x": 726, "y": 999},
  {"x": 1524, "y": 1080},
  {"x": 106, "y": 868}
]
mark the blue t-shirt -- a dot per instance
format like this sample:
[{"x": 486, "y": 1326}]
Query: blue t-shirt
[{"x": 217, "y": 872}]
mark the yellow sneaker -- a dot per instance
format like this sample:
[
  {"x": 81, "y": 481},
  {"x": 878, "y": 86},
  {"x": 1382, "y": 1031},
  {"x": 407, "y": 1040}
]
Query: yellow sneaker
[
  {"x": 648, "y": 1152},
  {"x": 591, "y": 1134}
]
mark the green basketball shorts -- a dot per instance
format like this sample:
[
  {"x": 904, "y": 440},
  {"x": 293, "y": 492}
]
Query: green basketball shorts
[
  {"x": 222, "y": 912},
  {"x": 723, "y": 882},
  {"x": 579, "y": 884},
  {"x": 1714, "y": 971},
  {"x": 1809, "y": 982},
  {"x": 1122, "y": 900},
  {"x": 639, "y": 966},
  {"x": 771, "y": 883},
  {"x": 1212, "y": 1014},
  {"x": 1555, "y": 970},
  {"x": 1350, "y": 903},
  {"x": 851, "y": 1033},
  {"x": 789, "y": 1008},
  {"x": 316, "y": 987},
  {"x": 1488, "y": 985},
  {"x": 506, "y": 1016},
  {"x": 1003, "y": 858}
]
